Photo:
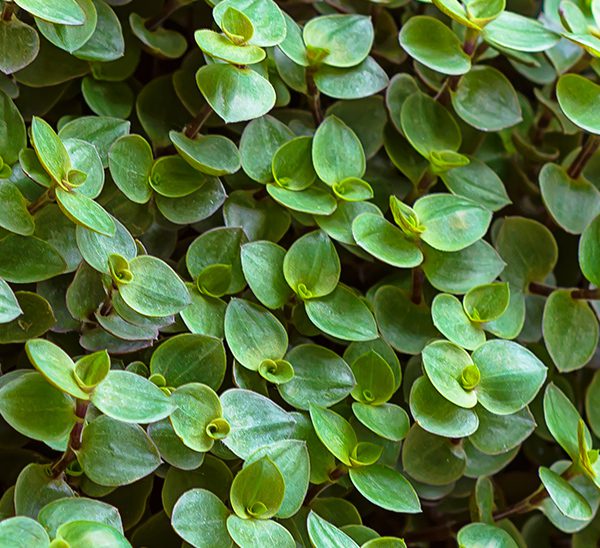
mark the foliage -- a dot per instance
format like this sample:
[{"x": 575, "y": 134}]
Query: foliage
[{"x": 299, "y": 273}]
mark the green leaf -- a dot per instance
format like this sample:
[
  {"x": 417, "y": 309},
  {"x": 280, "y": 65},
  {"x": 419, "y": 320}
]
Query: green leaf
[
  {"x": 570, "y": 330},
  {"x": 171, "y": 447},
  {"x": 445, "y": 364},
  {"x": 212, "y": 154},
  {"x": 220, "y": 246},
  {"x": 388, "y": 421},
  {"x": 311, "y": 266},
  {"x": 255, "y": 421},
  {"x": 248, "y": 533},
  {"x": 14, "y": 215},
  {"x": 254, "y": 334},
  {"x": 500, "y": 433},
  {"x": 476, "y": 534},
  {"x": 100, "y": 131},
  {"x": 68, "y": 509},
  {"x": 130, "y": 161},
  {"x": 478, "y": 182},
  {"x": 155, "y": 289},
  {"x": 451, "y": 222},
  {"x": 70, "y": 37},
  {"x": 66, "y": 12},
  {"x": 197, "y": 419},
  {"x": 422, "y": 453},
  {"x": 257, "y": 490},
  {"x": 50, "y": 150},
  {"x": 199, "y": 517},
  {"x": 106, "y": 441},
  {"x": 337, "y": 152},
  {"x": 237, "y": 26},
  {"x": 361, "y": 81},
  {"x": 511, "y": 376},
  {"x": 406, "y": 326},
  {"x": 434, "y": 413},
  {"x": 485, "y": 303},
  {"x": 321, "y": 377},
  {"x": 36, "y": 409},
  {"x": 589, "y": 257},
  {"x": 107, "y": 43},
  {"x": 326, "y": 535},
  {"x": 457, "y": 272},
  {"x": 313, "y": 200},
  {"x": 56, "y": 366},
  {"x": 97, "y": 248},
  {"x": 568, "y": 500},
  {"x": 260, "y": 141},
  {"x": 528, "y": 248},
  {"x": 342, "y": 314},
  {"x": 335, "y": 432},
  {"x": 428, "y": 126},
  {"x": 577, "y": 97},
  {"x": 444, "y": 55},
  {"x": 292, "y": 164},
  {"x": 35, "y": 487},
  {"x": 265, "y": 16},
  {"x": 23, "y": 532},
  {"x": 486, "y": 100},
  {"x": 160, "y": 41},
  {"x": 340, "y": 40},
  {"x": 292, "y": 459},
  {"x": 385, "y": 241},
  {"x": 262, "y": 263},
  {"x": 374, "y": 379},
  {"x": 190, "y": 358},
  {"x": 451, "y": 320},
  {"x": 9, "y": 306},
  {"x": 128, "y": 397},
  {"x": 221, "y": 47},
  {"x": 89, "y": 534},
  {"x": 514, "y": 31},
  {"x": 172, "y": 177},
  {"x": 235, "y": 94},
  {"x": 35, "y": 319},
  {"x": 85, "y": 212},
  {"x": 13, "y": 137},
  {"x": 20, "y": 45},
  {"x": 386, "y": 488},
  {"x": 108, "y": 98}
]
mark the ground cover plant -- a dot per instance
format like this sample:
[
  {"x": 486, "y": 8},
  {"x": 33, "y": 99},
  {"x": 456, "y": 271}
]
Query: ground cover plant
[{"x": 299, "y": 273}]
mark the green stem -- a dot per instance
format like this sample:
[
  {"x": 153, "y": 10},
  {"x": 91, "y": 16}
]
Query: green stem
[{"x": 41, "y": 201}]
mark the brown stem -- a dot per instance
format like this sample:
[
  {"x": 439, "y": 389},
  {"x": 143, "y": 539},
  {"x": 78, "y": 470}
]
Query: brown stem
[
  {"x": 194, "y": 127},
  {"x": 587, "y": 151},
  {"x": 470, "y": 43},
  {"x": 416, "y": 292},
  {"x": 170, "y": 7},
  {"x": 74, "y": 440},
  {"x": 7, "y": 10},
  {"x": 314, "y": 97},
  {"x": 41, "y": 201},
  {"x": 546, "y": 290}
]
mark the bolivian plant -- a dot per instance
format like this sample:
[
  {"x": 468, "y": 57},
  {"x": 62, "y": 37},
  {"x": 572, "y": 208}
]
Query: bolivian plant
[{"x": 318, "y": 274}]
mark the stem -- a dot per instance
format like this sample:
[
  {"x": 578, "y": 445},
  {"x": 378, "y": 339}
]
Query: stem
[
  {"x": 314, "y": 97},
  {"x": 170, "y": 7},
  {"x": 74, "y": 440},
  {"x": 194, "y": 127},
  {"x": 7, "y": 10},
  {"x": 416, "y": 292},
  {"x": 587, "y": 151},
  {"x": 41, "y": 201},
  {"x": 470, "y": 43},
  {"x": 547, "y": 290}
]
